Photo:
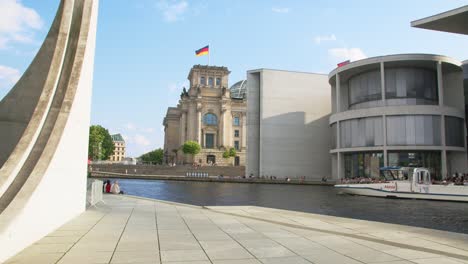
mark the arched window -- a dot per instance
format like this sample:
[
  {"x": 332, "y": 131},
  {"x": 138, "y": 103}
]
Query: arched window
[{"x": 210, "y": 119}]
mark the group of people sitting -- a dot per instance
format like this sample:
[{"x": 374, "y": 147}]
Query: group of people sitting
[
  {"x": 112, "y": 188},
  {"x": 362, "y": 180},
  {"x": 457, "y": 179}
]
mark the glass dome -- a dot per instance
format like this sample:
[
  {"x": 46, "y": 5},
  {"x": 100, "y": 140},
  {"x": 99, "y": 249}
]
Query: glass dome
[{"x": 239, "y": 90}]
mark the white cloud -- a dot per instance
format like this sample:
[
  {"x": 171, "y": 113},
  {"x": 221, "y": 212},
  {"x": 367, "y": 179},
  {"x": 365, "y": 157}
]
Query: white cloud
[
  {"x": 343, "y": 54},
  {"x": 177, "y": 86},
  {"x": 282, "y": 10},
  {"x": 141, "y": 140},
  {"x": 319, "y": 39},
  {"x": 17, "y": 23},
  {"x": 148, "y": 130},
  {"x": 130, "y": 126},
  {"x": 8, "y": 76},
  {"x": 173, "y": 10}
]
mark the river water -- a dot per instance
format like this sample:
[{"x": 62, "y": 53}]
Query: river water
[{"x": 448, "y": 216}]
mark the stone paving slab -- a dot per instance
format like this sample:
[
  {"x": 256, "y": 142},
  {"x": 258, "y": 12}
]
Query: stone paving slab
[{"x": 137, "y": 230}]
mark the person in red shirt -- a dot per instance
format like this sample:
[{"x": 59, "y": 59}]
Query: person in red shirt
[{"x": 108, "y": 186}]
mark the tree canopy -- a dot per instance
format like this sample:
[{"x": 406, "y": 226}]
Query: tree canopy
[
  {"x": 100, "y": 145},
  {"x": 191, "y": 147},
  {"x": 231, "y": 152},
  {"x": 156, "y": 156}
]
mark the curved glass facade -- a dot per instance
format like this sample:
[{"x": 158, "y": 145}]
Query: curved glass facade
[
  {"x": 415, "y": 85},
  {"x": 361, "y": 132},
  {"x": 365, "y": 87},
  {"x": 413, "y": 130}
]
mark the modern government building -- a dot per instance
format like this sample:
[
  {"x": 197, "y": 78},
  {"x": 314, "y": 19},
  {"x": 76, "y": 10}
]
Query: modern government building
[{"x": 398, "y": 110}]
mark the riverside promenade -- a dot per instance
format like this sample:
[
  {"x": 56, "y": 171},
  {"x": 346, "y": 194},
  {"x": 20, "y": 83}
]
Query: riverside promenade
[{"x": 128, "y": 229}]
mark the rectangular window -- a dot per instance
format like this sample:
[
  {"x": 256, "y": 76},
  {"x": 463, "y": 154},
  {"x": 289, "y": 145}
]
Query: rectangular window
[
  {"x": 218, "y": 81},
  {"x": 209, "y": 140},
  {"x": 236, "y": 121},
  {"x": 202, "y": 80},
  {"x": 210, "y": 82},
  {"x": 236, "y": 144},
  {"x": 236, "y": 133}
]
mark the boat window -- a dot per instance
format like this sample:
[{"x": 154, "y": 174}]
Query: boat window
[{"x": 426, "y": 178}]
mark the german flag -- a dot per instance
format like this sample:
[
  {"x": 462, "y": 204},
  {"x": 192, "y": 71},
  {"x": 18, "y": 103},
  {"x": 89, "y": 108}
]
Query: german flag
[{"x": 203, "y": 51}]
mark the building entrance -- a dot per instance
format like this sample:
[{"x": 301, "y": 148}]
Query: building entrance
[
  {"x": 210, "y": 159},
  {"x": 236, "y": 161}
]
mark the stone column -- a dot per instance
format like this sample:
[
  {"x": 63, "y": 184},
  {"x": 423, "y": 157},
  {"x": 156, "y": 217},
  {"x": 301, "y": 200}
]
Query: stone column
[
  {"x": 182, "y": 128},
  {"x": 199, "y": 125},
  {"x": 221, "y": 128},
  {"x": 244, "y": 131}
]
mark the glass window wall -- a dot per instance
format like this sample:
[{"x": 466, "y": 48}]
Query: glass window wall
[
  {"x": 413, "y": 130},
  {"x": 415, "y": 85},
  {"x": 427, "y": 159},
  {"x": 363, "y": 164},
  {"x": 361, "y": 132},
  {"x": 454, "y": 131},
  {"x": 365, "y": 87}
]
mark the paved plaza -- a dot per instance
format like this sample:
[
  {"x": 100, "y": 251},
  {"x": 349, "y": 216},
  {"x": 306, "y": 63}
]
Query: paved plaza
[{"x": 134, "y": 230}]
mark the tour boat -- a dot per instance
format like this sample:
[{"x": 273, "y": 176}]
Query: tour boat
[{"x": 412, "y": 183}]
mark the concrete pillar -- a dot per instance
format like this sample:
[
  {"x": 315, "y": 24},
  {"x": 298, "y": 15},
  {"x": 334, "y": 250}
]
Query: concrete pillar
[
  {"x": 244, "y": 131},
  {"x": 440, "y": 83},
  {"x": 338, "y": 94},
  {"x": 385, "y": 153},
  {"x": 183, "y": 121},
  {"x": 443, "y": 157},
  {"x": 339, "y": 169},
  {"x": 443, "y": 153},
  {"x": 382, "y": 82}
]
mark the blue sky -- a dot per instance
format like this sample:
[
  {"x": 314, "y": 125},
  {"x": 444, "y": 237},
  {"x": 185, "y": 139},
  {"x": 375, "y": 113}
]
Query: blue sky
[{"x": 145, "y": 48}]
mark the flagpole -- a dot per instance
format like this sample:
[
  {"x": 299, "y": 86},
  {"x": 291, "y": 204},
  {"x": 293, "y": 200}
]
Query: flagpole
[{"x": 209, "y": 51}]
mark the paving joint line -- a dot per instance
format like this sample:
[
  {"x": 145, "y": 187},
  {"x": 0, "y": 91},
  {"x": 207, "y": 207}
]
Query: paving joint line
[
  {"x": 185, "y": 222},
  {"x": 157, "y": 231},
  {"x": 120, "y": 237},
  {"x": 255, "y": 257},
  {"x": 385, "y": 242},
  {"x": 76, "y": 242}
]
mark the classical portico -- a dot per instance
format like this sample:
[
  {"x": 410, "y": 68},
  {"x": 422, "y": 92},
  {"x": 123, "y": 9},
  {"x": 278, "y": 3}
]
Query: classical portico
[{"x": 210, "y": 113}]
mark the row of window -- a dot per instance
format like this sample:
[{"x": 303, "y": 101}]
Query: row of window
[
  {"x": 209, "y": 141},
  {"x": 212, "y": 120},
  {"x": 416, "y": 83},
  {"x": 368, "y": 164},
  {"x": 407, "y": 130},
  {"x": 211, "y": 81}
]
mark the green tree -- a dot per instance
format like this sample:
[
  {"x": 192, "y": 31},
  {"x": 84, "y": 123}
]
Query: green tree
[
  {"x": 100, "y": 145},
  {"x": 156, "y": 156},
  {"x": 191, "y": 147},
  {"x": 231, "y": 152}
]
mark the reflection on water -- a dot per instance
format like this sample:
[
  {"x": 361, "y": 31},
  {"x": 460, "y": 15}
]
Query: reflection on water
[{"x": 449, "y": 216}]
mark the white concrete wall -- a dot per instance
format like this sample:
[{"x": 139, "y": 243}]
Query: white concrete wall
[
  {"x": 60, "y": 195},
  {"x": 253, "y": 123},
  {"x": 294, "y": 135}
]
